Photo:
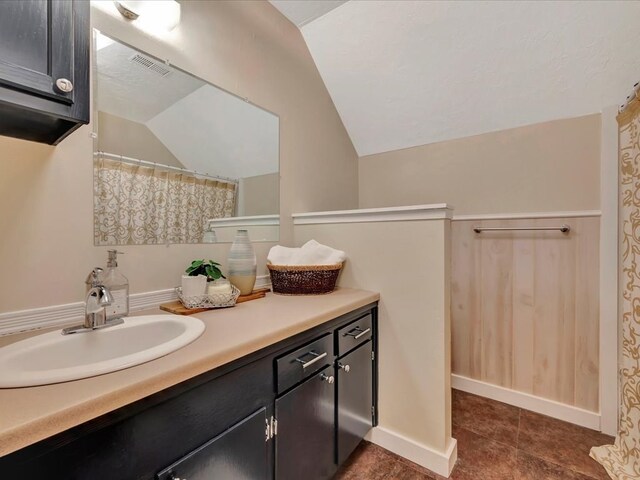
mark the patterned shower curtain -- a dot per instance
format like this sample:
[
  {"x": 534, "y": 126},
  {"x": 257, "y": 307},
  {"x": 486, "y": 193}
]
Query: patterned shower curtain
[
  {"x": 622, "y": 459},
  {"x": 136, "y": 205}
]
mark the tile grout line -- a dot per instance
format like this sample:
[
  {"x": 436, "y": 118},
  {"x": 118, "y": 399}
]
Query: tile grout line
[{"x": 518, "y": 430}]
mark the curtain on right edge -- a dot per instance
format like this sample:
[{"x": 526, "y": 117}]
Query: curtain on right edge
[{"x": 622, "y": 459}]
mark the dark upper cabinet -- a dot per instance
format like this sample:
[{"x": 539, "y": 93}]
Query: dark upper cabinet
[{"x": 44, "y": 68}]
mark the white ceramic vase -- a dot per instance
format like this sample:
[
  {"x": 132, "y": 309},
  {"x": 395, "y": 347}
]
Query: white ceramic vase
[{"x": 242, "y": 263}]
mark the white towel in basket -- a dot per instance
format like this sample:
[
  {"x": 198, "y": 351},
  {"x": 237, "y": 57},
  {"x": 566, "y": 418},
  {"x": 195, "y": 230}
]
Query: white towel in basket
[{"x": 311, "y": 253}]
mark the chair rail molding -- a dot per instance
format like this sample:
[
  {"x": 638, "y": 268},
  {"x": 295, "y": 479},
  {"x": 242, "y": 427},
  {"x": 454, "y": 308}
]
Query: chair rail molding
[
  {"x": 388, "y": 214},
  {"x": 59, "y": 315}
]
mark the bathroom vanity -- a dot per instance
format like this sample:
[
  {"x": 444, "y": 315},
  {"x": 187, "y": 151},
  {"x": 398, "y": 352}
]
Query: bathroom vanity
[{"x": 283, "y": 387}]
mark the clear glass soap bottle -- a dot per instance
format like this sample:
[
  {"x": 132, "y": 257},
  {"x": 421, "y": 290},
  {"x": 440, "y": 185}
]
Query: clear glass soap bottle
[{"x": 118, "y": 285}]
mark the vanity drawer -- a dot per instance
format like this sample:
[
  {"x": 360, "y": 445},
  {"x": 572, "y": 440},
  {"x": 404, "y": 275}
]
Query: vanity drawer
[
  {"x": 354, "y": 334},
  {"x": 294, "y": 367}
]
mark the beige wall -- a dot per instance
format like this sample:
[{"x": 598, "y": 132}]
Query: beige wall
[
  {"x": 259, "y": 195},
  {"x": 412, "y": 276},
  {"x": 123, "y": 137},
  {"x": 552, "y": 166},
  {"x": 248, "y": 48}
]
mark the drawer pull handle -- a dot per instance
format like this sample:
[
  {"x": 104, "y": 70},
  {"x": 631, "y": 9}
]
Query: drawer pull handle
[
  {"x": 327, "y": 378},
  {"x": 317, "y": 358},
  {"x": 359, "y": 333}
]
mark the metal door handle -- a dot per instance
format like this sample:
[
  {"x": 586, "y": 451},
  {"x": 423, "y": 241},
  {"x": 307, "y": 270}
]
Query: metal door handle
[
  {"x": 356, "y": 336},
  {"x": 317, "y": 358},
  {"x": 327, "y": 378},
  {"x": 346, "y": 368}
]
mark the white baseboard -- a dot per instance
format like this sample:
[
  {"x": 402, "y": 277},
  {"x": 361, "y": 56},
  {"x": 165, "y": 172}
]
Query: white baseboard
[
  {"x": 441, "y": 463},
  {"x": 58, "y": 315},
  {"x": 551, "y": 408}
]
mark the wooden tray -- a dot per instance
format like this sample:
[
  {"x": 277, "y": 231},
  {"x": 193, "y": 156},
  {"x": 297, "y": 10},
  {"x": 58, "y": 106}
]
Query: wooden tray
[{"x": 178, "y": 309}]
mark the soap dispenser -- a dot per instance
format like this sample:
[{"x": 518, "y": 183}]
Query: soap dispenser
[{"x": 118, "y": 285}]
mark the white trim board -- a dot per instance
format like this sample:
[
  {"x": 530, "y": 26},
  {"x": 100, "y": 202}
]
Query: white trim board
[
  {"x": 388, "y": 214},
  {"x": 517, "y": 216},
  {"x": 551, "y": 408},
  {"x": 263, "y": 281},
  {"x": 609, "y": 244},
  {"x": 59, "y": 315},
  {"x": 440, "y": 463},
  {"x": 256, "y": 220}
]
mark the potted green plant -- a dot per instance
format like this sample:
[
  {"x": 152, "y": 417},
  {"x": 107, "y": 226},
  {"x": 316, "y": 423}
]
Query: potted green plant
[{"x": 208, "y": 268}]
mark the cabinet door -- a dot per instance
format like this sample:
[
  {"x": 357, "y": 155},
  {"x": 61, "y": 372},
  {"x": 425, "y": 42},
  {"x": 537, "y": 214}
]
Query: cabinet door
[
  {"x": 305, "y": 437},
  {"x": 36, "y": 46},
  {"x": 355, "y": 399},
  {"x": 239, "y": 453}
]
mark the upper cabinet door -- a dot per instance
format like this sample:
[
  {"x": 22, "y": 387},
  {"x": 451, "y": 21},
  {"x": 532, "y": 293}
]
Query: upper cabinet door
[
  {"x": 36, "y": 47},
  {"x": 44, "y": 68}
]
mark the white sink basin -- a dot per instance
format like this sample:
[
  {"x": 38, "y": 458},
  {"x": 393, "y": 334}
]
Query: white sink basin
[{"x": 54, "y": 358}]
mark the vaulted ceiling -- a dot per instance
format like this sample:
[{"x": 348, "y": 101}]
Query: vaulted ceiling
[
  {"x": 406, "y": 73},
  {"x": 301, "y": 12}
]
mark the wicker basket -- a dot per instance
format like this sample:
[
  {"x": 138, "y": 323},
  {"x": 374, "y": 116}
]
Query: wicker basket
[
  {"x": 216, "y": 300},
  {"x": 304, "y": 279}
]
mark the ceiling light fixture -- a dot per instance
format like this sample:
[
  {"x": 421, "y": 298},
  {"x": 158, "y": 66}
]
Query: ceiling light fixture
[
  {"x": 160, "y": 15},
  {"x": 127, "y": 10}
]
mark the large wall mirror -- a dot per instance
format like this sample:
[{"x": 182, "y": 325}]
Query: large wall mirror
[{"x": 176, "y": 159}]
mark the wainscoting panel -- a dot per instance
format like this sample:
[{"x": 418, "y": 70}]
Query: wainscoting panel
[{"x": 524, "y": 307}]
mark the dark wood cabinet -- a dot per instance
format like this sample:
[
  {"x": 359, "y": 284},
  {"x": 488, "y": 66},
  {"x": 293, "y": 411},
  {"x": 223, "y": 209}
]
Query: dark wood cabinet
[
  {"x": 239, "y": 453},
  {"x": 305, "y": 439},
  {"x": 354, "y": 373},
  {"x": 44, "y": 68},
  {"x": 263, "y": 416}
]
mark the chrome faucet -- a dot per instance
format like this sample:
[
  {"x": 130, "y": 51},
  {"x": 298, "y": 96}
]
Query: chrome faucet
[{"x": 95, "y": 314}]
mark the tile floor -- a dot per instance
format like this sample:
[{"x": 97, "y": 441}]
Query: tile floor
[{"x": 495, "y": 442}]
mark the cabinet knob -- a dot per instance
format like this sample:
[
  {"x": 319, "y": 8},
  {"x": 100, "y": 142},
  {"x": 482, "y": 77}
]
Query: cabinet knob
[
  {"x": 346, "y": 368},
  {"x": 173, "y": 477},
  {"x": 64, "y": 85},
  {"x": 327, "y": 378}
]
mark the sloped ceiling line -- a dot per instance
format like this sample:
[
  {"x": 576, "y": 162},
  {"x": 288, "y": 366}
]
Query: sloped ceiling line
[{"x": 406, "y": 73}]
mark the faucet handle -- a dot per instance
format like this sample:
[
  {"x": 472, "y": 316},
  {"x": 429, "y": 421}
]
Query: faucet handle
[
  {"x": 93, "y": 279},
  {"x": 105, "y": 297}
]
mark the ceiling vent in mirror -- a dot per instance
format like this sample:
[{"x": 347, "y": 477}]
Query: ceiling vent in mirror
[{"x": 149, "y": 64}]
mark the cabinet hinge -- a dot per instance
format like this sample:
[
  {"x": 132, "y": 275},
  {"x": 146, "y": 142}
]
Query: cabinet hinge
[
  {"x": 373, "y": 355},
  {"x": 373, "y": 411},
  {"x": 271, "y": 428}
]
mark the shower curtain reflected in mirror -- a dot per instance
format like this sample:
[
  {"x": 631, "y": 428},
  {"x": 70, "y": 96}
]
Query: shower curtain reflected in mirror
[
  {"x": 137, "y": 205},
  {"x": 622, "y": 459}
]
